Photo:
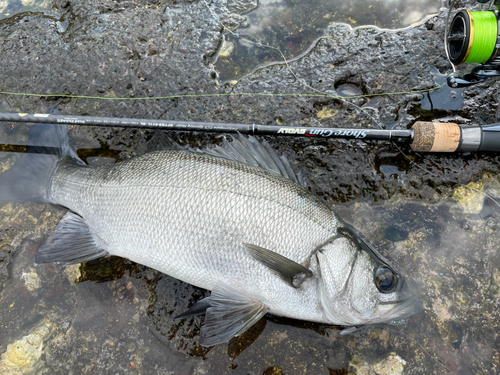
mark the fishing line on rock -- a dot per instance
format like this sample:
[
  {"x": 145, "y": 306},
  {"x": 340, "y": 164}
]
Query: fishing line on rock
[
  {"x": 481, "y": 52},
  {"x": 321, "y": 94},
  {"x": 219, "y": 94},
  {"x": 343, "y": 99},
  {"x": 304, "y": 83}
]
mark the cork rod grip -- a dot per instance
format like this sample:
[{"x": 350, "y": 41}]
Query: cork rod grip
[{"x": 435, "y": 137}]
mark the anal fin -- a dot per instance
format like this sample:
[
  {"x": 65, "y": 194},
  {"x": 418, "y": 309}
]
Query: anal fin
[
  {"x": 72, "y": 242},
  {"x": 232, "y": 312}
]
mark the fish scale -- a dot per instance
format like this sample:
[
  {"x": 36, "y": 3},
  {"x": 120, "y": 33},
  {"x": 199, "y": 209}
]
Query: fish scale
[
  {"x": 188, "y": 215},
  {"x": 231, "y": 219}
]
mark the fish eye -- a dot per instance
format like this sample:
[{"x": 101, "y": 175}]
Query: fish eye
[{"x": 385, "y": 279}]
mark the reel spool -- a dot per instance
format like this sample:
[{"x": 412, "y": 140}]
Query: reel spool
[{"x": 474, "y": 37}]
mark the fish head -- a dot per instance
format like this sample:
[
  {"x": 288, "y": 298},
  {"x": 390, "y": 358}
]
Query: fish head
[{"x": 358, "y": 286}]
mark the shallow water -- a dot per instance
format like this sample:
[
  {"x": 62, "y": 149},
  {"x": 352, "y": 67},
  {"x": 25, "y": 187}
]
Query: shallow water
[
  {"x": 114, "y": 316},
  {"x": 448, "y": 248},
  {"x": 284, "y": 29},
  {"x": 12, "y": 9}
]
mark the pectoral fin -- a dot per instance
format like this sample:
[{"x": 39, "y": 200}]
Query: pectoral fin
[
  {"x": 292, "y": 272},
  {"x": 232, "y": 312}
]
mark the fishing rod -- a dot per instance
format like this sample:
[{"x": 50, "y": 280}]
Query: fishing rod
[
  {"x": 422, "y": 137},
  {"x": 474, "y": 37}
]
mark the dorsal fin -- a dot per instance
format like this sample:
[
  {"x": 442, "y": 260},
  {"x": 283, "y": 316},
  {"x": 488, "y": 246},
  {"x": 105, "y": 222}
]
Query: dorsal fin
[
  {"x": 250, "y": 151},
  {"x": 161, "y": 141},
  {"x": 244, "y": 149}
]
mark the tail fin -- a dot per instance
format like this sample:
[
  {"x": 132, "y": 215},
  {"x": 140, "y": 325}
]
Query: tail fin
[{"x": 29, "y": 178}]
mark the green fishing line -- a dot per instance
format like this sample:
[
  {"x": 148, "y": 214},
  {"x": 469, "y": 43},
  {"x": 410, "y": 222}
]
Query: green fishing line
[
  {"x": 187, "y": 96},
  {"x": 484, "y": 30}
]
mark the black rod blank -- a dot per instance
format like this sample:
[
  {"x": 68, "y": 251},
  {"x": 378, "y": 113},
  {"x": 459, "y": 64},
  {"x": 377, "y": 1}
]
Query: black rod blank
[
  {"x": 422, "y": 137},
  {"x": 402, "y": 136}
]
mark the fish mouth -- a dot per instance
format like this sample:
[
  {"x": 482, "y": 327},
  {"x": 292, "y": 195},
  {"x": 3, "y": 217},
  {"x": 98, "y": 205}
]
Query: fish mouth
[
  {"x": 395, "y": 315},
  {"x": 401, "y": 310},
  {"x": 406, "y": 305}
]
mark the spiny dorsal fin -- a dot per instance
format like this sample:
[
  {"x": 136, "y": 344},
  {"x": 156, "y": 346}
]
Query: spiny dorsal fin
[
  {"x": 243, "y": 149},
  {"x": 250, "y": 151}
]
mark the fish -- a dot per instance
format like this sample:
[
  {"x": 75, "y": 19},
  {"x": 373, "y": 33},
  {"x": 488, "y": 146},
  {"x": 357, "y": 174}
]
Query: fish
[{"x": 233, "y": 219}]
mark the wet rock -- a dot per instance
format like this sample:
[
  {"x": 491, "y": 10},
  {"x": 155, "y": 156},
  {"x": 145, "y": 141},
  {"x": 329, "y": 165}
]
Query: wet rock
[
  {"x": 169, "y": 298},
  {"x": 470, "y": 197},
  {"x": 226, "y": 49},
  {"x": 119, "y": 316},
  {"x": 274, "y": 370},
  {"x": 326, "y": 113},
  {"x": 5, "y": 256},
  {"x": 393, "y": 364},
  {"x": 495, "y": 276},
  {"x": 31, "y": 279},
  {"x": 241, "y": 6},
  {"x": 73, "y": 273},
  {"x": 17, "y": 225},
  {"x": 23, "y": 355},
  {"x": 231, "y": 21}
]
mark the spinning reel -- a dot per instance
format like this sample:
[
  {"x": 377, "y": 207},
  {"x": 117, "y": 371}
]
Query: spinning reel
[{"x": 474, "y": 37}]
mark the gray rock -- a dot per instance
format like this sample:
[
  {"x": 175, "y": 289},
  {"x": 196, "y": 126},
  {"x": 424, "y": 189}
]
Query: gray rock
[{"x": 118, "y": 316}]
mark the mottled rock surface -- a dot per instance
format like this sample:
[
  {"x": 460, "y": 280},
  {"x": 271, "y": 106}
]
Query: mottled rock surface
[{"x": 113, "y": 316}]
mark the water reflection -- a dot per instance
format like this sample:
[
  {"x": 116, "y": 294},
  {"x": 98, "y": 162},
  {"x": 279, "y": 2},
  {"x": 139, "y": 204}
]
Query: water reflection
[
  {"x": 444, "y": 98},
  {"x": 292, "y": 26},
  {"x": 126, "y": 320},
  {"x": 10, "y": 8}
]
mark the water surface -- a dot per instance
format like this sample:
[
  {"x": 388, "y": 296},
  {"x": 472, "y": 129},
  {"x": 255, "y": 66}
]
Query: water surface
[
  {"x": 114, "y": 313},
  {"x": 113, "y": 316},
  {"x": 292, "y": 26},
  {"x": 10, "y": 8}
]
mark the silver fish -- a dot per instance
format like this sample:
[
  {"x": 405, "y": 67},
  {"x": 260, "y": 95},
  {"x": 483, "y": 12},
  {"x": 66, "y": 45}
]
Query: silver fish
[{"x": 233, "y": 220}]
